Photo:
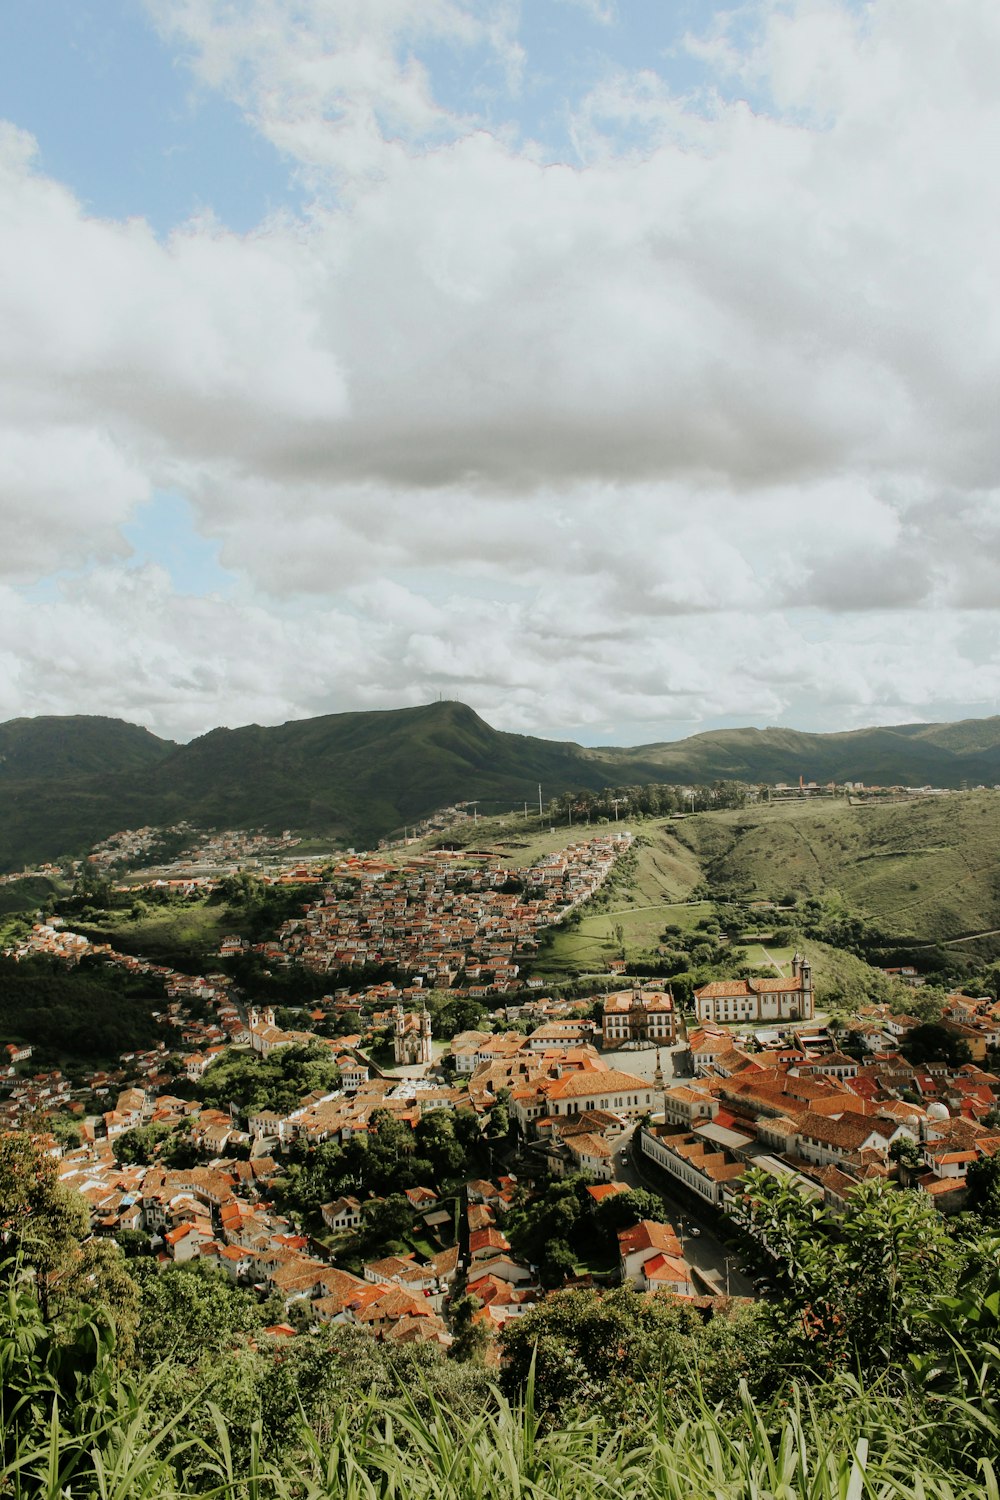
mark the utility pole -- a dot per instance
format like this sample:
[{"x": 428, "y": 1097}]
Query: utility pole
[{"x": 539, "y": 802}]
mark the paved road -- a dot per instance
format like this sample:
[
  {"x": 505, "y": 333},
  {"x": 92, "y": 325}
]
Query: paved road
[{"x": 704, "y": 1249}]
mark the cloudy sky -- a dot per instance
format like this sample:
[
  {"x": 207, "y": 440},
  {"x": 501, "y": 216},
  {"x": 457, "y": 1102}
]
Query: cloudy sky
[{"x": 621, "y": 368}]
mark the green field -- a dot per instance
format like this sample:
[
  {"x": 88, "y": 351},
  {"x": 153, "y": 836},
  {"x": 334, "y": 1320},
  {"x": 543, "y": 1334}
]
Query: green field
[
  {"x": 666, "y": 874},
  {"x": 768, "y": 957},
  {"x": 924, "y": 870},
  {"x": 587, "y": 948}
]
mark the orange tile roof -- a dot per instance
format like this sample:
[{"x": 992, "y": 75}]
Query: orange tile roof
[{"x": 648, "y": 1235}]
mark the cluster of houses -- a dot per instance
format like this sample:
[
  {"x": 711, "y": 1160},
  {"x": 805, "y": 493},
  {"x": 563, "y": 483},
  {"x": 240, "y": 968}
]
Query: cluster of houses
[
  {"x": 222, "y": 1214},
  {"x": 570, "y": 1106},
  {"x": 970, "y": 1020},
  {"x": 50, "y": 871},
  {"x": 814, "y": 1116},
  {"x": 786, "y": 1099},
  {"x": 227, "y": 849},
  {"x": 444, "y": 917},
  {"x": 130, "y": 845}
]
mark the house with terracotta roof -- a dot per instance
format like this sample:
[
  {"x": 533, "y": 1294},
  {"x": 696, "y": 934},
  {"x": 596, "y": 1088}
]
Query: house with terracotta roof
[
  {"x": 188, "y": 1239},
  {"x": 590, "y": 1154},
  {"x": 341, "y": 1213},
  {"x": 501, "y": 1299},
  {"x": 685, "y": 1103},
  {"x": 702, "y": 1165},
  {"x": 485, "y": 1244},
  {"x": 583, "y": 1089},
  {"x": 667, "y": 1273},
  {"x": 656, "y": 1246},
  {"x": 826, "y": 1140}
]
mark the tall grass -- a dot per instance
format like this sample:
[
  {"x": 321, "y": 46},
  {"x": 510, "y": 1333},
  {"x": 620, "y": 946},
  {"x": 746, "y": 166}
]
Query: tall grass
[{"x": 843, "y": 1443}]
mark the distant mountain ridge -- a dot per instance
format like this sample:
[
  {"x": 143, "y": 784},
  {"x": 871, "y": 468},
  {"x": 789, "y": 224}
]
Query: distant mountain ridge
[{"x": 67, "y": 782}]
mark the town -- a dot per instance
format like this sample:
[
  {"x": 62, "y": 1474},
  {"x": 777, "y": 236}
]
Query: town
[{"x": 348, "y": 1162}]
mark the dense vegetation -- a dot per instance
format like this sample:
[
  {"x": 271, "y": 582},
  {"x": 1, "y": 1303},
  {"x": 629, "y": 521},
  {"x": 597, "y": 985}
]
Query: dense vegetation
[
  {"x": 246, "y": 1083},
  {"x": 25, "y": 895},
  {"x": 444, "y": 1149},
  {"x": 69, "y": 782},
  {"x": 91, "y": 1012}
]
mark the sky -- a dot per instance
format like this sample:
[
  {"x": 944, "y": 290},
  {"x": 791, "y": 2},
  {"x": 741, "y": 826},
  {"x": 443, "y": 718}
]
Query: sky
[{"x": 621, "y": 368}]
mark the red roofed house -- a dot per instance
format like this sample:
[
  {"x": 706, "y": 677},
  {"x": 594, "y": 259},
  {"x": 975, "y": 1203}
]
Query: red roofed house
[{"x": 648, "y": 1242}]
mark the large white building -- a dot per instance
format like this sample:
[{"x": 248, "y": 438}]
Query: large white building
[
  {"x": 758, "y": 999},
  {"x": 639, "y": 1016}
]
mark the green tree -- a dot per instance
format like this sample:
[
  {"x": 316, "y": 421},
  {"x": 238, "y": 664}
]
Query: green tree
[
  {"x": 982, "y": 1183},
  {"x": 190, "y": 1310},
  {"x": 435, "y": 1139},
  {"x": 386, "y": 1221},
  {"x": 933, "y": 1042},
  {"x": 97, "y": 1276},
  {"x": 41, "y": 1222},
  {"x": 906, "y": 1153},
  {"x": 595, "y": 1349},
  {"x": 471, "y": 1338},
  {"x": 858, "y": 1286},
  {"x": 277, "y": 1083},
  {"x": 138, "y": 1146}
]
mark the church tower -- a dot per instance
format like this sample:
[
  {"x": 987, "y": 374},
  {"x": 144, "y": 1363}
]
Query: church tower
[{"x": 399, "y": 1035}]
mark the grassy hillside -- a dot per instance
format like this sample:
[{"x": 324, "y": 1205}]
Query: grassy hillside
[
  {"x": 926, "y": 870},
  {"x": 181, "y": 935},
  {"x": 25, "y": 895}
]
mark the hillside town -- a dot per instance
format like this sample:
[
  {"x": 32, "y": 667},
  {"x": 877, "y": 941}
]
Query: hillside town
[
  {"x": 446, "y": 918},
  {"x": 749, "y": 1077}
]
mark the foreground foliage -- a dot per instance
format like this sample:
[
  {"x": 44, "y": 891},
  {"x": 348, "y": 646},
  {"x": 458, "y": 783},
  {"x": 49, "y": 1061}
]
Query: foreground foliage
[{"x": 74, "y": 1423}]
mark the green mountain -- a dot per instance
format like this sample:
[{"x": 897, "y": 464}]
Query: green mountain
[
  {"x": 77, "y": 745},
  {"x": 67, "y": 782},
  {"x": 908, "y": 754}
]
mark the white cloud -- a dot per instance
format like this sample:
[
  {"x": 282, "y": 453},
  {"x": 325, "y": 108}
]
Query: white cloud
[
  {"x": 582, "y": 444},
  {"x": 124, "y": 643},
  {"x": 334, "y": 82}
]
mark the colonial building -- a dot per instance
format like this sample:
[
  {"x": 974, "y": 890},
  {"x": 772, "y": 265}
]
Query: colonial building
[
  {"x": 411, "y": 1037},
  {"x": 639, "y": 1016},
  {"x": 759, "y": 999}
]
